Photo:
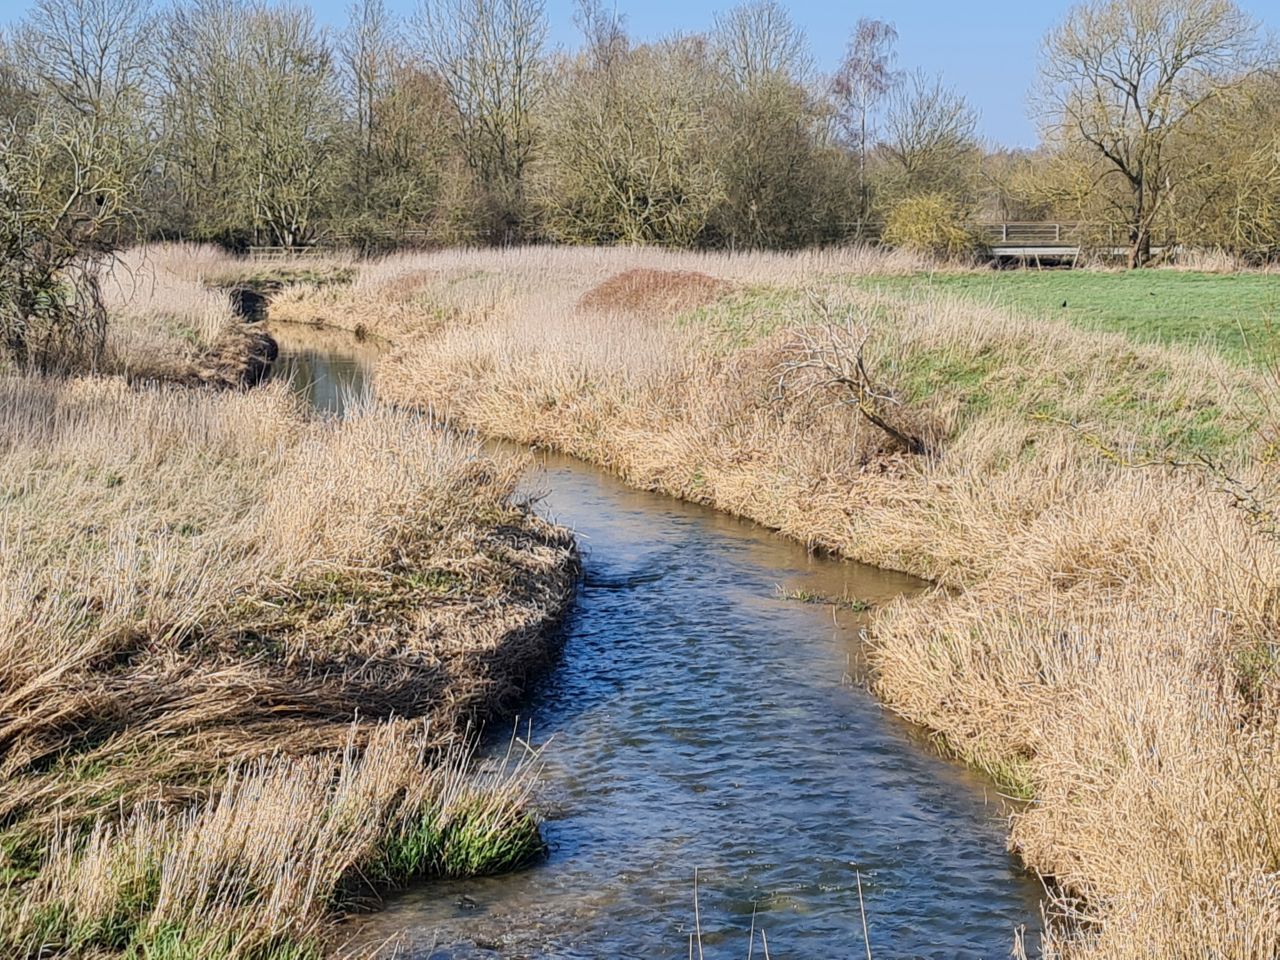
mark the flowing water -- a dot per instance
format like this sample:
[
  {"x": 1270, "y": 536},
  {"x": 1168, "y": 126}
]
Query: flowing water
[{"x": 699, "y": 719}]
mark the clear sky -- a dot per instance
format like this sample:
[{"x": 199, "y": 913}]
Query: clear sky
[{"x": 986, "y": 49}]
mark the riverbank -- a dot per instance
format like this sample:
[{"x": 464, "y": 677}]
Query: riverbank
[
  {"x": 241, "y": 652},
  {"x": 1105, "y": 642}
]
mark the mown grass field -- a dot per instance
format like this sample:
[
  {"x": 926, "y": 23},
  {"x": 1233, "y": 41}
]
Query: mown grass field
[{"x": 1236, "y": 314}]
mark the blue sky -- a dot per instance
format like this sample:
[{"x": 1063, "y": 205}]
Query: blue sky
[{"x": 987, "y": 49}]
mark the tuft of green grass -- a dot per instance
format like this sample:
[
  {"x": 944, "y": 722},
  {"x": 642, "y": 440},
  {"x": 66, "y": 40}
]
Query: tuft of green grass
[
  {"x": 170, "y": 942},
  {"x": 1011, "y": 773},
  {"x": 1137, "y": 407},
  {"x": 1232, "y": 313},
  {"x": 477, "y": 838}
]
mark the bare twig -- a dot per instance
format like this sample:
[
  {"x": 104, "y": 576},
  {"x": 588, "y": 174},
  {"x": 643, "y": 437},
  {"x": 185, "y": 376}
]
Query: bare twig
[{"x": 833, "y": 353}]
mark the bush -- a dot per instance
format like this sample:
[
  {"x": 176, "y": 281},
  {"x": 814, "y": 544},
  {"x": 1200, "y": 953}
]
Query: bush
[{"x": 932, "y": 224}]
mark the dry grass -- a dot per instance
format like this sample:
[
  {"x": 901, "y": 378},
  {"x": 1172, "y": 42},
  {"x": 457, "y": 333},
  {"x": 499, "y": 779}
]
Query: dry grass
[
  {"x": 649, "y": 292},
  {"x": 258, "y": 870},
  {"x": 192, "y": 580},
  {"x": 1107, "y": 644},
  {"x": 409, "y": 295},
  {"x": 171, "y": 319}
]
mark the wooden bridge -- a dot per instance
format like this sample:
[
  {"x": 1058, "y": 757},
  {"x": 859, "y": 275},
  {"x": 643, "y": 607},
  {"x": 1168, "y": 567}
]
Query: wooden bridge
[{"x": 1040, "y": 240}]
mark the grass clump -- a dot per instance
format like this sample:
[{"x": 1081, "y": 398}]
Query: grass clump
[
  {"x": 470, "y": 842},
  {"x": 853, "y": 604}
]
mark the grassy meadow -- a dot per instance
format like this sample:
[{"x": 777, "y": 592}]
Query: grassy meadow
[
  {"x": 1236, "y": 314},
  {"x": 1102, "y": 640},
  {"x": 243, "y": 651}
]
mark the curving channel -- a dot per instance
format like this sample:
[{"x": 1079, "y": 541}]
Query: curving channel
[{"x": 698, "y": 719}]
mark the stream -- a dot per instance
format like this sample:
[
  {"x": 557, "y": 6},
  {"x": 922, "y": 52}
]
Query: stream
[{"x": 699, "y": 719}]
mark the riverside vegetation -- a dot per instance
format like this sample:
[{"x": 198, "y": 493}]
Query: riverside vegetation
[
  {"x": 239, "y": 644},
  {"x": 243, "y": 648},
  {"x": 1092, "y": 507}
]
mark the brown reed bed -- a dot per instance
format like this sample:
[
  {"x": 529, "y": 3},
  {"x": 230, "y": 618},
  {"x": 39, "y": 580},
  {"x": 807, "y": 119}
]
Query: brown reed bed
[{"x": 241, "y": 651}]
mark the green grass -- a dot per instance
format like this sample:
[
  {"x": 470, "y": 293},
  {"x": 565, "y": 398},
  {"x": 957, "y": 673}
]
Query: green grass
[
  {"x": 1136, "y": 407},
  {"x": 478, "y": 839},
  {"x": 1134, "y": 410},
  {"x": 1233, "y": 313},
  {"x": 746, "y": 316}
]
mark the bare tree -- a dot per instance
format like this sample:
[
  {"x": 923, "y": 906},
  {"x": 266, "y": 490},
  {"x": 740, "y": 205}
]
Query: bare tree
[
  {"x": 370, "y": 53},
  {"x": 770, "y": 130},
  {"x": 604, "y": 33},
  {"x": 67, "y": 184},
  {"x": 758, "y": 42},
  {"x": 91, "y": 53},
  {"x": 861, "y": 83},
  {"x": 1124, "y": 76},
  {"x": 251, "y": 114},
  {"x": 396, "y": 140},
  {"x": 931, "y": 137},
  {"x": 75, "y": 147},
  {"x": 629, "y": 157},
  {"x": 828, "y": 358},
  {"x": 489, "y": 54},
  {"x": 290, "y": 111},
  {"x": 17, "y": 91}
]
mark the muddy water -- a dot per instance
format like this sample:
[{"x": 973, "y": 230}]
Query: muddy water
[{"x": 699, "y": 720}]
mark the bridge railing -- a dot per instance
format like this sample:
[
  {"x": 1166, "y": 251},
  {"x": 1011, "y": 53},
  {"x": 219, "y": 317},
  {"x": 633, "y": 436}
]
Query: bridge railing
[
  {"x": 1036, "y": 233},
  {"x": 1066, "y": 233}
]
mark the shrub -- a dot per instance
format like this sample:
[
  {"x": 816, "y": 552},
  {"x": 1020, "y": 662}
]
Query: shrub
[{"x": 932, "y": 224}]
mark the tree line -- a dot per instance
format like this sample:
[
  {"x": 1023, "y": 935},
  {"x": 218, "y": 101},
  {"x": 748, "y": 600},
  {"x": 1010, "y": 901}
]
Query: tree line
[{"x": 245, "y": 122}]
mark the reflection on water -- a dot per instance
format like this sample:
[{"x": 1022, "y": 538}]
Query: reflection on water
[
  {"x": 328, "y": 368},
  {"x": 698, "y": 720}
]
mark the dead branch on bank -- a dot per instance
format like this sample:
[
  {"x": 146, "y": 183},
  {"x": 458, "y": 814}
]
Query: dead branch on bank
[{"x": 830, "y": 356}]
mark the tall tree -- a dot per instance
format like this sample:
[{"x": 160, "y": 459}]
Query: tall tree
[
  {"x": 604, "y": 33},
  {"x": 758, "y": 43},
  {"x": 862, "y": 81},
  {"x": 370, "y": 55},
  {"x": 1123, "y": 77},
  {"x": 769, "y": 129},
  {"x": 75, "y": 148},
  {"x": 629, "y": 155},
  {"x": 931, "y": 140},
  {"x": 251, "y": 114},
  {"x": 95, "y": 55},
  {"x": 490, "y": 57}
]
